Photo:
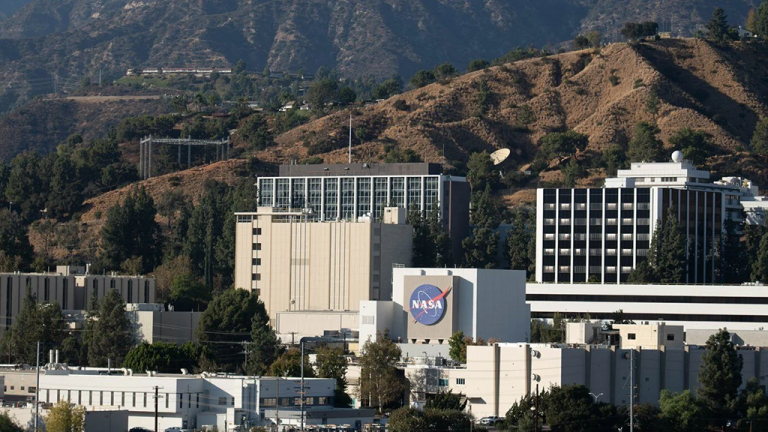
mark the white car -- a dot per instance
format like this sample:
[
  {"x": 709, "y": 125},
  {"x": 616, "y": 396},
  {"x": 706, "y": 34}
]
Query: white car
[{"x": 490, "y": 420}]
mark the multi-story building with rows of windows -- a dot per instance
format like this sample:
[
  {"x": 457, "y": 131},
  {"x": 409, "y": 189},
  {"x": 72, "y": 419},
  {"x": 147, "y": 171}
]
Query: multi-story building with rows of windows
[
  {"x": 601, "y": 234},
  {"x": 349, "y": 191}
]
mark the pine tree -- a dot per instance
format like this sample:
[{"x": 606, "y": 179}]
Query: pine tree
[
  {"x": 111, "y": 338},
  {"x": 717, "y": 27},
  {"x": 645, "y": 146},
  {"x": 519, "y": 240},
  {"x": 131, "y": 231},
  {"x": 667, "y": 254},
  {"x": 264, "y": 347},
  {"x": 66, "y": 193},
  {"x": 720, "y": 376}
]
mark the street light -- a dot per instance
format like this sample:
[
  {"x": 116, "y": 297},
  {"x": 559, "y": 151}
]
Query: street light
[{"x": 596, "y": 396}]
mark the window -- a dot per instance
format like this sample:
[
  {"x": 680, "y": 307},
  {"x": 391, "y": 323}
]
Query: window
[
  {"x": 549, "y": 236},
  {"x": 129, "y": 298},
  {"x": 549, "y": 221},
  {"x": 643, "y": 206},
  {"x": 269, "y": 402},
  {"x": 642, "y": 252},
  {"x": 595, "y": 269},
  {"x": 549, "y": 206},
  {"x": 65, "y": 294},
  {"x": 564, "y": 252},
  {"x": 197, "y": 400},
  {"x": 643, "y": 221},
  {"x": 610, "y": 269},
  {"x": 256, "y": 276},
  {"x": 223, "y": 400},
  {"x": 257, "y": 246},
  {"x": 565, "y": 269},
  {"x": 626, "y": 269},
  {"x": 670, "y": 337},
  {"x": 595, "y": 252},
  {"x": 643, "y": 237},
  {"x": 31, "y": 389},
  {"x": 610, "y": 221},
  {"x": 626, "y": 206},
  {"x": 581, "y": 236},
  {"x": 578, "y": 252},
  {"x": 181, "y": 401},
  {"x": 611, "y": 206},
  {"x": 22, "y": 387},
  {"x": 565, "y": 206},
  {"x": 579, "y": 269},
  {"x": 324, "y": 400},
  {"x": 146, "y": 291},
  {"x": 256, "y": 261},
  {"x": 626, "y": 221},
  {"x": 46, "y": 290},
  {"x": 595, "y": 221},
  {"x": 626, "y": 236},
  {"x": 565, "y": 221},
  {"x": 631, "y": 336},
  {"x": 596, "y": 206},
  {"x": 610, "y": 236},
  {"x": 257, "y": 231},
  {"x": 581, "y": 206},
  {"x": 581, "y": 221},
  {"x": 442, "y": 382},
  {"x": 626, "y": 252},
  {"x": 565, "y": 236},
  {"x": 610, "y": 252},
  {"x": 549, "y": 269},
  {"x": 595, "y": 236},
  {"x": 549, "y": 251},
  {"x": 460, "y": 381}
]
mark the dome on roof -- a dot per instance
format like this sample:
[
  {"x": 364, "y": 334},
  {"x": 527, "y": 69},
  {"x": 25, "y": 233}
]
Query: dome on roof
[{"x": 677, "y": 156}]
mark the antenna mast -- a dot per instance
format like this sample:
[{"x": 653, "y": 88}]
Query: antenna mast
[{"x": 350, "y": 138}]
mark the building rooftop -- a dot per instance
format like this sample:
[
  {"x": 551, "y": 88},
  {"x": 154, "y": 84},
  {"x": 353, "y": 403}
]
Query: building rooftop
[{"x": 364, "y": 169}]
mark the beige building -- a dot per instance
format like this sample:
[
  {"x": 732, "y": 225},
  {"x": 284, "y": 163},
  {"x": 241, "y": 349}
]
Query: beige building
[
  {"x": 295, "y": 263},
  {"x": 637, "y": 336},
  {"x": 70, "y": 287}
]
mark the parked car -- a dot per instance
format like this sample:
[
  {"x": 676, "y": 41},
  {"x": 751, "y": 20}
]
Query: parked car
[
  {"x": 490, "y": 420},
  {"x": 139, "y": 429}
]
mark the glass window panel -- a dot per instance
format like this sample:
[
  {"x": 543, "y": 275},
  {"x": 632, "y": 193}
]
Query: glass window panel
[
  {"x": 363, "y": 196},
  {"x": 265, "y": 192},
  {"x": 347, "y": 198},
  {"x": 331, "y": 199},
  {"x": 414, "y": 193}
]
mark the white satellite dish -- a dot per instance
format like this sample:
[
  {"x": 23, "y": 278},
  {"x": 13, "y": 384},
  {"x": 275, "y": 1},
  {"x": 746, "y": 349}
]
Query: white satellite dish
[{"x": 500, "y": 156}]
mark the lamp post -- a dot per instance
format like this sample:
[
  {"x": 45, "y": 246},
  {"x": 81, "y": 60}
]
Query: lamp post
[{"x": 596, "y": 396}]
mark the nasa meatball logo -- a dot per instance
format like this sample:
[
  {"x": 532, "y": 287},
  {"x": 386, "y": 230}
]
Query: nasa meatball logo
[{"x": 428, "y": 304}]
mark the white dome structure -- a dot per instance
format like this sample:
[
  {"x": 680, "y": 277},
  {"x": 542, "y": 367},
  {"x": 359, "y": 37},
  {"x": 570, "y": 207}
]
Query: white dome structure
[{"x": 677, "y": 156}]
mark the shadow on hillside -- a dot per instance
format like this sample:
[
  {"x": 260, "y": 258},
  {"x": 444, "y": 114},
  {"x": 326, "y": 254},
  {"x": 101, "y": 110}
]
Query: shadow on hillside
[{"x": 731, "y": 115}]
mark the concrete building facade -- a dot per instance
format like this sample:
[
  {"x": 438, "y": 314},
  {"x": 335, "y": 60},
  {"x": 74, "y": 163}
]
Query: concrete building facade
[
  {"x": 71, "y": 290},
  {"x": 349, "y": 191},
  {"x": 495, "y": 377},
  {"x": 601, "y": 234},
  {"x": 295, "y": 263},
  {"x": 481, "y": 303},
  {"x": 737, "y": 307}
]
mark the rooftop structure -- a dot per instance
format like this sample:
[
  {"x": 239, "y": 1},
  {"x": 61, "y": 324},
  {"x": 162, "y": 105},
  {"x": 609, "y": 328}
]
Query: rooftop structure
[{"x": 602, "y": 234}]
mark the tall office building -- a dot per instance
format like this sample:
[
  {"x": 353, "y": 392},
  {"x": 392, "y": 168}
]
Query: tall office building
[
  {"x": 601, "y": 234},
  {"x": 349, "y": 191}
]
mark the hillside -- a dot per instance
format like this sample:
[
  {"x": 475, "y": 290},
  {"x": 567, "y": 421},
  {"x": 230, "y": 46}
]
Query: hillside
[
  {"x": 9, "y": 7},
  {"x": 45, "y": 123},
  {"x": 358, "y": 37}
]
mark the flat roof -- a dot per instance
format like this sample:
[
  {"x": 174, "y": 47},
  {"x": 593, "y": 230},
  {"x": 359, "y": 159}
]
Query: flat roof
[{"x": 360, "y": 169}]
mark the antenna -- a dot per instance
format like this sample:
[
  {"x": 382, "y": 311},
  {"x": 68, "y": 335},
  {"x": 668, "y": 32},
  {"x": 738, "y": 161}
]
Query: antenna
[
  {"x": 500, "y": 156},
  {"x": 350, "y": 137}
]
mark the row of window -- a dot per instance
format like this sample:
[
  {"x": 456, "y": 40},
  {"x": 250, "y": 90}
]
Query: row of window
[
  {"x": 597, "y": 221},
  {"x": 598, "y": 206},
  {"x": 295, "y": 401},
  {"x": 29, "y": 389},
  {"x": 583, "y": 269},
  {"x": 594, "y": 252},
  {"x": 595, "y": 236},
  {"x": 95, "y": 397}
]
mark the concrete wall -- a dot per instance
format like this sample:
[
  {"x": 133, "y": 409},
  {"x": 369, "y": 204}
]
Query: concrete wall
[
  {"x": 739, "y": 337},
  {"x": 292, "y": 326},
  {"x": 164, "y": 326},
  {"x": 650, "y": 336}
]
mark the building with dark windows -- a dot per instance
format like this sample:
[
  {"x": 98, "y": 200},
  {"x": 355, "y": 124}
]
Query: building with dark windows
[
  {"x": 601, "y": 234},
  {"x": 71, "y": 287},
  {"x": 346, "y": 192}
]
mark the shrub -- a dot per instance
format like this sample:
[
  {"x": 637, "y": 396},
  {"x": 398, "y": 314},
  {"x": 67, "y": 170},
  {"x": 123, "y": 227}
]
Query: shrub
[
  {"x": 401, "y": 105},
  {"x": 614, "y": 80}
]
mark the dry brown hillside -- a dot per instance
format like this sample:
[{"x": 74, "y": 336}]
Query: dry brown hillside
[{"x": 603, "y": 94}]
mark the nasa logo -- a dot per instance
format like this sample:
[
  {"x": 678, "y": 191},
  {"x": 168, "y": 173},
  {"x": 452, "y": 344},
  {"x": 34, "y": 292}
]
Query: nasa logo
[{"x": 428, "y": 304}]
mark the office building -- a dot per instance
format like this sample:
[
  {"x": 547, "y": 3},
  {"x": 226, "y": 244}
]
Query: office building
[
  {"x": 70, "y": 287},
  {"x": 497, "y": 376},
  {"x": 349, "y": 191},
  {"x": 429, "y": 305},
  {"x": 602, "y": 234},
  {"x": 737, "y": 307},
  {"x": 297, "y": 263},
  {"x": 191, "y": 401}
]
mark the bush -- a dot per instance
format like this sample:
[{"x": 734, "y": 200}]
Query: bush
[
  {"x": 614, "y": 80},
  {"x": 401, "y": 105}
]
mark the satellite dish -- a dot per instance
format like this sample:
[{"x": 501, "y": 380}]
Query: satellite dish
[{"x": 500, "y": 156}]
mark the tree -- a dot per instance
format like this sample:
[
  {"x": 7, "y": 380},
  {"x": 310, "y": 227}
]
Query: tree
[
  {"x": 445, "y": 70},
  {"x": 635, "y": 31},
  {"x": 717, "y": 27},
  {"x": 760, "y": 135},
  {"x": 476, "y": 65},
  {"x": 15, "y": 250},
  {"x": 322, "y": 92},
  {"x": 760, "y": 263},
  {"x": 645, "y": 146},
  {"x": 480, "y": 248},
  {"x": 572, "y": 171},
  {"x": 163, "y": 357},
  {"x": 227, "y": 323},
  {"x": 614, "y": 159},
  {"x": 131, "y": 231},
  {"x": 331, "y": 363},
  {"x": 696, "y": 145},
  {"x": 446, "y": 401},
  {"x": 188, "y": 294},
  {"x": 407, "y": 419},
  {"x": 751, "y": 22},
  {"x": 264, "y": 347},
  {"x": 7, "y": 424},
  {"x": 481, "y": 172},
  {"x": 431, "y": 243},
  {"x": 667, "y": 253},
  {"x": 66, "y": 192},
  {"x": 761, "y": 20},
  {"x": 681, "y": 411},
  {"x": 753, "y": 404},
  {"x": 347, "y": 95},
  {"x": 643, "y": 273},
  {"x": 562, "y": 144},
  {"x": 35, "y": 322},
  {"x": 111, "y": 338},
  {"x": 595, "y": 38},
  {"x": 521, "y": 247},
  {"x": 572, "y": 408},
  {"x": 388, "y": 88},
  {"x": 289, "y": 364},
  {"x": 720, "y": 376},
  {"x": 458, "y": 347},
  {"x": 255, "y": 132},
  {"x": 422, "y": 78},
  {"x": 63, "y": 417},
  {"x": 380, "y": 380},
  {"x": 580, "y": 42}
]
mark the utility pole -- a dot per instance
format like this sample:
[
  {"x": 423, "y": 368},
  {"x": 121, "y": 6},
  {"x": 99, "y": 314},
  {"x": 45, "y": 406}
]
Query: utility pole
[
  {"x": 277, "y": 406},
  {"x": 99, "y": 77},
  {"x": 302, "y": 386},
  {"x": 37, "y": 386},
  {"x": 157, "y": 398},
  {"x": 350, "y": 138},
  {"x": 536, "y": 410},
  {"x": 632, "y": 390}
]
